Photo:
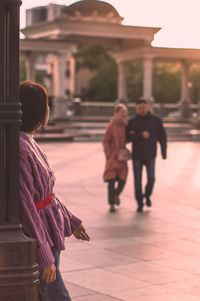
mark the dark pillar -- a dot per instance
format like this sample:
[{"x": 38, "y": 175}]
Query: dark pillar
[{"x": 18, "y": 268}]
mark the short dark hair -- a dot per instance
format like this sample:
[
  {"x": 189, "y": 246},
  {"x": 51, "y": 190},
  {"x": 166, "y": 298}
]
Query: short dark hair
[
  {"x": 140, "y": 101},
  {"x": 34, "y": 100}
]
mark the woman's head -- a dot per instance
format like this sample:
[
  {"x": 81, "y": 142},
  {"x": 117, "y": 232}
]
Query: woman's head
[
  {"x": 120, "y": 112},
  {"x": 35, "y": 109}
]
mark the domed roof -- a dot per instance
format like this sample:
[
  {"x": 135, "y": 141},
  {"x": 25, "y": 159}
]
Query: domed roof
[{"x": 89, "y": 7}]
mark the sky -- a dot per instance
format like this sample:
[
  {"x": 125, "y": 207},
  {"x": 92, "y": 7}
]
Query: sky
[{"x": 179, "y": 19}]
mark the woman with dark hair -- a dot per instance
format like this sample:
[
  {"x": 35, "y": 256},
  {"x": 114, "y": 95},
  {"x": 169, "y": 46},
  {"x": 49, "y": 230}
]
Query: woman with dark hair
[
  {"x": 42, "y": 215},
  {"x": 115, "y": 173}
]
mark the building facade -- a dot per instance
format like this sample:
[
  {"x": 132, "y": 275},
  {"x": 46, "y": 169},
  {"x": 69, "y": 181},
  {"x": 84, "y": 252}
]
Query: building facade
[{"x": 54, "y": 31}]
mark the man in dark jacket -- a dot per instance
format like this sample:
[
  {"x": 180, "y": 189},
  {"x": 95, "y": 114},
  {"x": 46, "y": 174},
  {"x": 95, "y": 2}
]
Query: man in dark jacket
[{"x": 144, "y": 130}]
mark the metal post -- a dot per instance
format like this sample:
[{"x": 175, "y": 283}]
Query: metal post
[{"x": 18, "y": 267}]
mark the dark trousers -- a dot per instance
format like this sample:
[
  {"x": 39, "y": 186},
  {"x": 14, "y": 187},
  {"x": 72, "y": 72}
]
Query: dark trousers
[
  {"x": 115, "y": 187},
  {"x": 55, "y": 291},
  {"x": 137, "y": 168}
]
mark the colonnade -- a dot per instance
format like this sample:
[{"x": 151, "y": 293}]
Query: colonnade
[
  {"x": 60, "y": 77},
  {"x": 147, "y": 92}
]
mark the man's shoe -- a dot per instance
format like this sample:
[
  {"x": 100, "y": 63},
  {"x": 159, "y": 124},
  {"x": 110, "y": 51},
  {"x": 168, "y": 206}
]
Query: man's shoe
[
  {"x": 140, "y": 208},
  {"x": 112, "y": 208},
  {"x": 148, "y": 201},
  {"x": 117, "y": 200}
]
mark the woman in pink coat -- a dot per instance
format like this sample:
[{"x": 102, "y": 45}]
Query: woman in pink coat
[{"x": 115, "y": 173}]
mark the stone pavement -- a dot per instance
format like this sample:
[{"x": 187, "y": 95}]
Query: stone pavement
[{"x": 153, "y": 256}]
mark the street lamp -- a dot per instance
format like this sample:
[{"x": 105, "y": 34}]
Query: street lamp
[{"x": 18, "y": 267}]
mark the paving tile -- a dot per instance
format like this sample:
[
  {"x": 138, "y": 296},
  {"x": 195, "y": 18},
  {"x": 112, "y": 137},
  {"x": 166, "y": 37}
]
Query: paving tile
[
  {"x": 68, "y": 264},
  {"x": 154, "y": 293},
  {"x": 187, "y": 263},
  {"x": 75, "y": 244},
  {"x": 192, "y": 236},
  {"x": 96, "y": 297},
  {"x": 103, "y": 281},
  {"x": 149, "y": 272},
  {"x": 113, "y": 242},
  {"x": 155, "y": 238},
  {"x": 128, "y": 231},
  {"x": 100, "y": 233},
  {"x": 76, "y": 290},
  {"x": 191, "y": 286},
  {"x": 144, "y": 252},
  {"x": 153, "y": 256},
  {"x": 99, "y": 257},
  {"x": 181, "y": 246}
]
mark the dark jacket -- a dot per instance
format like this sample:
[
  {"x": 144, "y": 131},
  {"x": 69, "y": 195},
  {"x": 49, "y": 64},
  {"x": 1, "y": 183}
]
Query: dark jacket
[{"x": 146, "y": 149}]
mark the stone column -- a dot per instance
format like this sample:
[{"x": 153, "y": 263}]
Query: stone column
[
  {"x": 49, "y": 81},
  {"x": 59, "y": 77},
  {"x": 122, "y": 84},
  {"x": 30, "y": 66},
  {"x": 185, "y": 103},
  {"x": 72, "y": 74},
  {"x": 185, "y": 80},
  {"x": 147, "y": 78},
  {"x": 49, "y": 77}
]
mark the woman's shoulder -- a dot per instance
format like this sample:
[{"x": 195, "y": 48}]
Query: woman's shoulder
[
  {"x": 109, "y": 124},
  {"x": 24, "y": 145}
]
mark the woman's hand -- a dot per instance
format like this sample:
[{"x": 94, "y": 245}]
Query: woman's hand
[
  {"x": 49, "y": 273},
  {"x": 145, "y": 134},
  {"x": 80, "y": 233}
]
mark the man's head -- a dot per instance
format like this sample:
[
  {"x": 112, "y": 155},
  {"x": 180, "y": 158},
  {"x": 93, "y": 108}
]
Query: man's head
[{"x": 142, "y": 107}]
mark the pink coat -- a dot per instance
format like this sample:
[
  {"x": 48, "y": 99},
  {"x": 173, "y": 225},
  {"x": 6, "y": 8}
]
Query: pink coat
[{"x": 114, "y": 139}]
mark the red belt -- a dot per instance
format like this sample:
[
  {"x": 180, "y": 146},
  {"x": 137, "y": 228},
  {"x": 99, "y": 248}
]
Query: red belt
[{"x": 45, "y": 202}]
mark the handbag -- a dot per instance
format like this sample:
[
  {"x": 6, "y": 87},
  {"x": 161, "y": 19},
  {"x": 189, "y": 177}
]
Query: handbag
[{"x": 123, "y": 154}]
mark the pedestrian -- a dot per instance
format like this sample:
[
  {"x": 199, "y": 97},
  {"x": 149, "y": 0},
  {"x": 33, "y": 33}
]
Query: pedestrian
[
  {"x": 43, "y": 216},
  {"x": 115, "y": 173},
  {"x": 144, "y": 131}
]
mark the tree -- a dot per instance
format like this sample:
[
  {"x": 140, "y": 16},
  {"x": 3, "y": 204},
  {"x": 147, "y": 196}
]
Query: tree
[
  {"x": 22, "y": 69},
  {"x": 103, "y": 86},
  {"x": 39, "y": 74},
  {"x": 166, "y": 82},
  {"x": 195, "y": 80},
  {"x": 134, "y": 80}
]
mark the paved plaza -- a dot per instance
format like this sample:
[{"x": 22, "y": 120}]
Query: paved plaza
[{"x": 153, "y": 256}]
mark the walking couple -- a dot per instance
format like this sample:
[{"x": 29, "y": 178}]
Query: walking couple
[{"x": 144, "y": 131}]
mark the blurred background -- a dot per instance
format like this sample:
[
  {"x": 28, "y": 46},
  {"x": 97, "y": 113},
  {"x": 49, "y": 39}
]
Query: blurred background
[{"x": 92, "y": 54}]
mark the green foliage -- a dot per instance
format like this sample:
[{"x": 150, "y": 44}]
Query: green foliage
[
  {"x": 39, "y": 75},
  {"x": 166, "y": 83},
  {"x": 195, "y": 89},
  {"x": 134, "y": 80},
  {"x": 92, "y": 57},
  {"x": 103, "y": 87},
  {"x": 22, "y": 69}
]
